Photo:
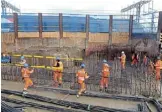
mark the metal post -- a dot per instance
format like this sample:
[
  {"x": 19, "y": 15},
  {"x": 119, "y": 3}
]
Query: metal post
[
  {"x": 87, "y": 30},
  {"x": 159, "y": 25},
  {"x": 110, "y": 34},
  {"x": 110, "y": 29},
  {"x": 40, "y": 24},
  {"x": 15, "y": 16},
  {"x": 130, "y": 27},
  {"x": 87, "y": 26},
  {"x": 60, "y": 25}
]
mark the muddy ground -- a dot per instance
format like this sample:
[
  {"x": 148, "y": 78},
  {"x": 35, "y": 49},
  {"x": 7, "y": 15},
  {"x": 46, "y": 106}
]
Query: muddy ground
[{"x": 111, "y": 103}]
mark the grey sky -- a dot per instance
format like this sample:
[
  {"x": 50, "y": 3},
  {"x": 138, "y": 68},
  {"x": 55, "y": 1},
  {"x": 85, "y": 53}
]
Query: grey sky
[{"x": 67, "y": 6}]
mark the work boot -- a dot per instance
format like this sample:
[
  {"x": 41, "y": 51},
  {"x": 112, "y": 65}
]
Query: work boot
[
  {"x": 84, "y": 92},
  {"x": 25, "y": 92},
  {"x": 77, "y": 96},
  {"x": 59, "y": 85},
  {"x": 101, "y": 90},
  {"x": 105, "y": 89}
]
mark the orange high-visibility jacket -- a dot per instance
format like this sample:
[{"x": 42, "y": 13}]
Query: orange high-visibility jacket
[
  {"x": 133, "y": 56},
  {"x": 105, "y": 70},
  {"x": 144, "y": 59},
  {"x": 26, "y": 72},
  {"x": 158, "y": 65},
  {"x": 81, "y": 75},
  {"x": 123, "y": 58}
]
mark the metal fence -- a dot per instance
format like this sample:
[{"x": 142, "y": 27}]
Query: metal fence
[
  {"x": 29, "y": 22},
  {"x": 138, "y": 80}
]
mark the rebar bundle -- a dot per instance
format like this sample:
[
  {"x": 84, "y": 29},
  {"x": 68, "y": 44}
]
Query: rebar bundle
[
  {"x": 74, "y": 105},
  {"x": 7, "y": 108}
]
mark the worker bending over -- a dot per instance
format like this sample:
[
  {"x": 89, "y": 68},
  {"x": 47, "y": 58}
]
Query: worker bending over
[
  {"x": 81, "y": 75},
  {"x": 57, "y": 74},
  {"x": 122, "y": 60},
  {"x": 26, "y": 77},
  {"x": 158, "y": 77},
  {"x": 105, "y": 75}
]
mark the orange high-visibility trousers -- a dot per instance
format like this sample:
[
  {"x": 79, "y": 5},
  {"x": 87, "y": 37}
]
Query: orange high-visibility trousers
[
  {"x": 123, "y": 65},
  {"x": 104, "y": 82},
  {"x": 28, "y": 82},
  {"x": 158, "y": 77},
  {"x": 134, "y": 62},
  {"x": 57, "y": 77},
  {"x": 82, "y": 88}
]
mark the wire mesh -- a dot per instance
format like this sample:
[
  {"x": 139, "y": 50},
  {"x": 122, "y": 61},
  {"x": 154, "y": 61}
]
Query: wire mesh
[
  {"x": 99, "y": 24},
  {"x": 120, "y": 24},
  {"x": 28, "y": 23},
  {"x": 135, "y": 80},
  {"x": 74, "y": 23},
  {"x": 146, "y": 27},
  {"x": 50, "y": 22}
]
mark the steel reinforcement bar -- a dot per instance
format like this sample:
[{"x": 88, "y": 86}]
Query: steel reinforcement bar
[
  {"x": 94, "y": 94},
  {"x": 36, "y": 105},
  {"x": 74, "y": 105},
  {"x": 7, "y": 108}
]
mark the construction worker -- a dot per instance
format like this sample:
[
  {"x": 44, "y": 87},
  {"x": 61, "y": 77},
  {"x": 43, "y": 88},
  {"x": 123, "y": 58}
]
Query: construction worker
[
  {"x": 134, "y": 59},
  {"x": 81, "y": 75},
  {"x": 26, "y": 77},
  {"x": 105, "y": 75},
  {"x": 23, "y": 61},
  {"x": 3, "y": 58},
  {"x": 8, "y": 58},
  {"x": 158, "y": 77},
  {"x": 150, "y": 67},
  {"x": 57, "y": 74},
  {"x": 145, "y": 60},
  {"x": 122, "y": 60}
]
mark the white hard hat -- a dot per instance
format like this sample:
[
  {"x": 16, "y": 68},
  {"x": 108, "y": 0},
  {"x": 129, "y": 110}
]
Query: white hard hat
[
  {"x": 107, "y": 65},
  {"x": 122, "y": 52}
]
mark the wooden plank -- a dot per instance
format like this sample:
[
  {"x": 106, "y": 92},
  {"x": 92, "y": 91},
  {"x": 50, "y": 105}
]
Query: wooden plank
[
  {"x": 8, "y": 37},
  {"x": 130, "y": 27},
  {"x": 3, "y": 47},
  {"x": 16, "y": 24},
  {"x": 98, "y": 37},
  {"x": 40, "y": 24},
  {"x": 28, "y": 34},
  {"x": 74, "y": 34},
  {"x": 121, "y": 37},
  {"x": 61, "y": 25},
  {"x": 87, "y": 26},
  {"x": 50, "y": 35}
]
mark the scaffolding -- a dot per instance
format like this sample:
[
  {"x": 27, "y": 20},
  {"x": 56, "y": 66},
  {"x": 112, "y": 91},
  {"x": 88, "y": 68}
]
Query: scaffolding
[
  {"x": 8, "y": 8},
  {"x": 144, "y": 13}
]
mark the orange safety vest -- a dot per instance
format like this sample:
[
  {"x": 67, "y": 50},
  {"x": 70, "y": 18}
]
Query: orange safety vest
[
  {"x": 133, "y": 56},
  {"x": 105, "y": 71},
  {"x": 82, "y": 75},
  {"x": 145, "y": 59},
  {"x": 26, "y": 73},
  {"x": 158, "y": 65},
  {"x": 123, "y": 58}
]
